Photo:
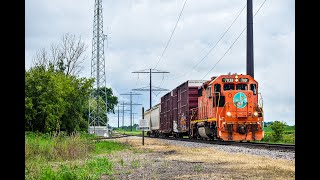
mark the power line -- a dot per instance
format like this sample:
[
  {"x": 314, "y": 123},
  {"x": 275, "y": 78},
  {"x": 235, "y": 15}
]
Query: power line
[
  {"x": 131, "y": 104},
  {"x": 160, "y": 85},
  {"x": 233, "y": 43},
  {"x": 150, "y": 85},
  {"x": 118, "y": 111},
  {"x": 213, "y": 46},
  {"x": 171, "y": 35},
  {"x": 225, "y": 53}
]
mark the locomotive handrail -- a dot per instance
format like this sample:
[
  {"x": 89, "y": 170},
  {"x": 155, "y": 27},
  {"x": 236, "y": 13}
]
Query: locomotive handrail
[
  {"x": 218, "y": 99},
  {"x": 261, "y": 100}
]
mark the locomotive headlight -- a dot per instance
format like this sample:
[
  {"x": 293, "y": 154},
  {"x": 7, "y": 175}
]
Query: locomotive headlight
[
  {"x": 255, "y": 113},
  {"x": 228, "y": 113}
]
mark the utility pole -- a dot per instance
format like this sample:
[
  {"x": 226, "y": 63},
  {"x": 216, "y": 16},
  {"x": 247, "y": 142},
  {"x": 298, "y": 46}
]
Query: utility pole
[
  {"x": 122, "y": 114},
  {"x": 150, "y": 89},
  {"x": 131, "y": 104},
  {"x": 143, "y": 129},
  {"x": 118, "y": 111},
  {"x": 133, "y": 118},
  {"x": 250, "y": 59},
  {"x": 98, "y": 113}
]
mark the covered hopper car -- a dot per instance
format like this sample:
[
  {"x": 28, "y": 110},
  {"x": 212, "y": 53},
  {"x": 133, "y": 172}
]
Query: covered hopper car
[{"x": 153, "y": 117}]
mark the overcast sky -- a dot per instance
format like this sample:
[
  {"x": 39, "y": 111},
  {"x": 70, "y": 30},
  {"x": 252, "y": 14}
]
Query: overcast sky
[{"x": 139, "y": 30}]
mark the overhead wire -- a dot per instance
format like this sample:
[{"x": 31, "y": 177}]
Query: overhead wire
[
  {"x": 233, "y": 42},
  {"x": 171, "y": 35},
  {"x": 168, "y": 43},
  {"x": 213, "y": 46}
]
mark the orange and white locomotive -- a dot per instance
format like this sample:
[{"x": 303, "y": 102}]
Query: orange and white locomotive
[{"x": 228, "y": 109}]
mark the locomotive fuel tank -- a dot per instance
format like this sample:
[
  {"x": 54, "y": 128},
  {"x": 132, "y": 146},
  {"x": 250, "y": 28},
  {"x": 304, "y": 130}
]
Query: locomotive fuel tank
[{"x": 205, "y": 132}]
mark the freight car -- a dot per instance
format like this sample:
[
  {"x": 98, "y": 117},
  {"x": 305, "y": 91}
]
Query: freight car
[
  {"x": 153, "y": 117},
  {"x": 175, "y": 108},
  {"x": 226, "y": 107}
]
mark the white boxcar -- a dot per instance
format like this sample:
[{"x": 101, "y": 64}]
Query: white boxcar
[{"x": 154, "y": 112}]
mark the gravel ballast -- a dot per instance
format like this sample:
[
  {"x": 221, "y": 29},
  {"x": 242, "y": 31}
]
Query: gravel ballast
[{"x": 276, "y": 154}]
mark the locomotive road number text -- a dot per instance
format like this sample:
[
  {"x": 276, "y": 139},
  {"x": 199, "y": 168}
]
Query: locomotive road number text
[
  {"x": 227, "y": 79},
  {"x": 244, "y": 80}
]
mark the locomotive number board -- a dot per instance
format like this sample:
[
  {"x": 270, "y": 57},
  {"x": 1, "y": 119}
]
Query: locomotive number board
[
  {"x": 243, "y": 80},
  {"x": 227, "y": 79},
  {"x": 232, "y": 80}
]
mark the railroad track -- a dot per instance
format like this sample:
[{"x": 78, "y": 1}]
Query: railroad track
[
  {"x": 282, "y": 147},
  {"x": 252, "y": 145},
  {"x": 113, "y": 137}
]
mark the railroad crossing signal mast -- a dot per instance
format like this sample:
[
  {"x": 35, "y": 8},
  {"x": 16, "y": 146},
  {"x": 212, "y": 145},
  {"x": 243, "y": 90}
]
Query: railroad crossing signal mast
[{"x": 97, "y": 118}]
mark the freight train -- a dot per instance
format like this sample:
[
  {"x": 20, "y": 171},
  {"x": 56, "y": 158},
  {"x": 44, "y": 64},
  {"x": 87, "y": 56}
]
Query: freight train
[{"x": 226, "y": 108}]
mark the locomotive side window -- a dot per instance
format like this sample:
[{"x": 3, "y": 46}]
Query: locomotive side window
[
  {"x": 199, "y": 92},
  {"x": 253, "y": 87},
  {"x": 220, "y": 101},
  {"x": 213, "y": 102},
  {"x": 241, "y": 87},
  {"x": 227, "y": 87},
  {"x": 217, "y": 88}
]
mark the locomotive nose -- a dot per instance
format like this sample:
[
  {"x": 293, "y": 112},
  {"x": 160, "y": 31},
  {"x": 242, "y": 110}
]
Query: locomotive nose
[{"x": 241, "y": 104}]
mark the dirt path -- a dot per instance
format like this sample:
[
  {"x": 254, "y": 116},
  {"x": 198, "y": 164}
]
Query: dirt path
[{"x": 163, "y": 161}]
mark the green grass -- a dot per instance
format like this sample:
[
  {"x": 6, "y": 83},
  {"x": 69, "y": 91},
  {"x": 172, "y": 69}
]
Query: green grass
[
  {"x": 288, "y": 136},
  {"x": 133, "y": 132},
  {"x": 61, "y": 156},
  {"x": 55, "y": 147},
  {"x": 109, "y": 146},
  {"x": 91, "y": 169}
]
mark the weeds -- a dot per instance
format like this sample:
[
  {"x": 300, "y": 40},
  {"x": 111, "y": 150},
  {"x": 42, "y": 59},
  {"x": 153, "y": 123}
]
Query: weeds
[
  {"x": 121, "y": 162},
  {"x": 198, "y": 167},
  {"x": 92, "y": 169},
  {"x": 62, "y": 156},
  {"x": 135, "y": 164},
  {"x": 56, "y": 146}
]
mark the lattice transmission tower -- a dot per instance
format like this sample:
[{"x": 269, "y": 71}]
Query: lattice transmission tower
[{"x": 98, "y": 101}]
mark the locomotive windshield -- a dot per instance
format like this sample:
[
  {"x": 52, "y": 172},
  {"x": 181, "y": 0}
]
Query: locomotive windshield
[
  {"x": 227, "y": 87},
  {"x": 241, "y": 87}
]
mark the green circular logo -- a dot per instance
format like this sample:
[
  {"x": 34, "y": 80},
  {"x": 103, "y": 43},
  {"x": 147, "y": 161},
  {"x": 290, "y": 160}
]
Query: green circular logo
[{"x": 240, "y": 100}]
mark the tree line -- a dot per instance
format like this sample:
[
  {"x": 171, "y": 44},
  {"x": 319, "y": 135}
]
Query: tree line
[{"x": 56, "y": 98}]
